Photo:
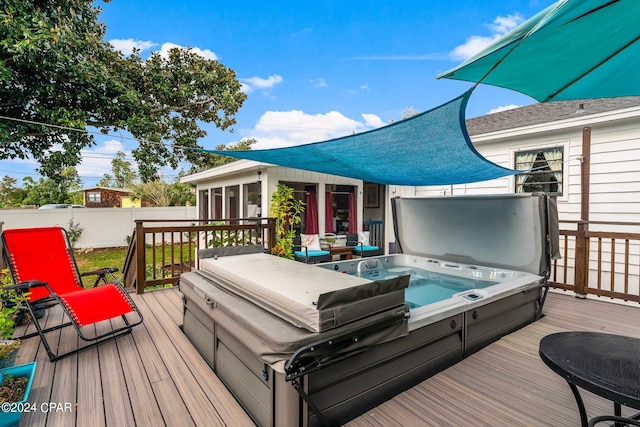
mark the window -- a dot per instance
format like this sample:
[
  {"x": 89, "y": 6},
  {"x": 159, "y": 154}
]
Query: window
[
  {"x": 545, "y": 170},
  {"x": 94, "y": 197}
]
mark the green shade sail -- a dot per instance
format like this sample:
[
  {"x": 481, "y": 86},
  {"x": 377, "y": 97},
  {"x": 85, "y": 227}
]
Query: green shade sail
[
  {"x": 432, "y": 148},
  {"x": 574, "y": 49}
]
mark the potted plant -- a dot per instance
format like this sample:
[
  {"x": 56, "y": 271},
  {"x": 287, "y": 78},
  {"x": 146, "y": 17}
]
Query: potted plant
[
  {"x": 10, "y": 308},
  {"x": 286, "y": 210},
  {"x": 15, "y": 381},
  {"x": 15, "y": 385}
]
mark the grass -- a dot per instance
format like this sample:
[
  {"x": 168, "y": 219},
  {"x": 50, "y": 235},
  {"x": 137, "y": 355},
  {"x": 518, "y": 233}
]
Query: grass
[{"x": 93, "y": 259}]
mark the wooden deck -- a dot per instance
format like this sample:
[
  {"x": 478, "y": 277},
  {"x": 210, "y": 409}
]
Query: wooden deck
[{"x": 154, "y": 377}]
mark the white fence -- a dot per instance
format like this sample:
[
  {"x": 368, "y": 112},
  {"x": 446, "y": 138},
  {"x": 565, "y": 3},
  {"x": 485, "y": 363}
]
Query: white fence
[{"x": 102, "y": 227}]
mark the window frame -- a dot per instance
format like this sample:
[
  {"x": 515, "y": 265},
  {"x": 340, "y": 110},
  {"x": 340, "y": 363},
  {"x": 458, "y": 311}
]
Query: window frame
[
  {"x": 91, "y": 197},
  {"x": 518, "y": 183}
]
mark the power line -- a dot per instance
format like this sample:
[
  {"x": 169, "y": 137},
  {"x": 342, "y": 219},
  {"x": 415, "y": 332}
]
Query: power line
[{"x": 120, "y": 136}]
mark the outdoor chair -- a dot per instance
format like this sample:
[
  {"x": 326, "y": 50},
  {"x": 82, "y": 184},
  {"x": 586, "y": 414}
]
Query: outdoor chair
[
  {"x": 362, "y": 246},
  {"x": 43, "y": 267},
  {"x": 307, "y": 248}
]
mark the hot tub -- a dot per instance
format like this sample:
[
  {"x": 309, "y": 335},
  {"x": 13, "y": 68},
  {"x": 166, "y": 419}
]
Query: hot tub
[
  {"x": 303, "y": 345},
  {"x": 439, "y": 289}
]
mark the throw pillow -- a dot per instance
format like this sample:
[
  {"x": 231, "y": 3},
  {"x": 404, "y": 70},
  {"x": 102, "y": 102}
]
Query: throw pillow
[
  {"x": 311, "y": 241},
  {"x": 363, "y": 237}
]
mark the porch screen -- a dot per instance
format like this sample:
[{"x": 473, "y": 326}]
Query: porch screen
[{"x": 432, "y": 148}]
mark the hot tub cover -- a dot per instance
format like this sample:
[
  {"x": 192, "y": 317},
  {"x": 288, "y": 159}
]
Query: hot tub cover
[
  {"x": 312, "y": 298},
  {"x": 273, "y": 339},
  {"x": 511, "y": 231}
]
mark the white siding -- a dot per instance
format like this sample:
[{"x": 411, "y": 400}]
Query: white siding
[{"x": 615, "y": 166}]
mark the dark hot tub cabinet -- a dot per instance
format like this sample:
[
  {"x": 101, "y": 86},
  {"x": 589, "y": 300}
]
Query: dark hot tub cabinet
[{"x": 304, "y": 345}]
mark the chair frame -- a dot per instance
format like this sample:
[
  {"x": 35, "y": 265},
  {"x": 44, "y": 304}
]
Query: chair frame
[
  {"x": 352, "y": 240},
  {"x": 96, "y": 339},
  {"x": 313, "y": 259}
]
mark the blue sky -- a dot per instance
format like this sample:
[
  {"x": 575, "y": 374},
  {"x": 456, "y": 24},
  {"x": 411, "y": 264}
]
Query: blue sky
[{"x": 314, "y": 70}]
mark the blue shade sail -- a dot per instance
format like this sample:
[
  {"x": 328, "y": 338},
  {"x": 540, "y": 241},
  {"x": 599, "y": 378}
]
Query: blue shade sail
[
  {"x": 574, "y": 49},
  {"x": 432, "y": 148}
]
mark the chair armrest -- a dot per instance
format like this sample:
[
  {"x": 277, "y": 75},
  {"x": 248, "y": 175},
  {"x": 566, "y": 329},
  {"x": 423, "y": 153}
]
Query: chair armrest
[
  {"x": 102, "y": 275},
  {"x": 354, "y": 243},
  {"x": 26, "y": 285},
  {"x": 100, "y": 272}
]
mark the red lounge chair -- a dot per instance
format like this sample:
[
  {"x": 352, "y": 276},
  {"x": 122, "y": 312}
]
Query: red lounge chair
[{"x": 41, "y": 262}]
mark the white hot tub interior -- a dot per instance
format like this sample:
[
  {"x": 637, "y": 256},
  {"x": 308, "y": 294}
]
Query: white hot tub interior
[{"x": 439, "y": 288}]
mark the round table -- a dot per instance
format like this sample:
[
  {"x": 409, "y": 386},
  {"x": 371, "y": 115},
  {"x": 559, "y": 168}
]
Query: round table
[{"x": 604, "y": 364}]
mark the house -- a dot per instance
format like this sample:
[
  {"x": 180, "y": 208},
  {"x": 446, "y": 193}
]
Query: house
[
  {"x": 243, "y": 189},
  {"x": 106, "y": 197},
  {"x": 592, "y": 144}
]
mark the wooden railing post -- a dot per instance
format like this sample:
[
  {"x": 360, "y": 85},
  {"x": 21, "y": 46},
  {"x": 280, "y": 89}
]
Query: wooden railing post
[
  {"x": 582, "y": 237},
  {"x": 272, "y": 233},
  {"x": 581, "y": 275},
  {"x": 141, "y": 261}
]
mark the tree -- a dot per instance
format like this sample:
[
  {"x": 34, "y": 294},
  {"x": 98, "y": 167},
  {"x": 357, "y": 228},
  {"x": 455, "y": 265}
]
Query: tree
[
  {"x": 105, "y": 181},
  {"x": 156, "y": 192},
  {"x": 123, "y": 174},
  {"x": 10, "y": 195},
  {"x": 57, "y": 69},
  {"x": 208, "y": 160},
  {"x": 407, "y": 113},
  {"x": 161, "y": 193},
  {"x": 48, "y": 190},
  {"x": 182, "y": 194}
]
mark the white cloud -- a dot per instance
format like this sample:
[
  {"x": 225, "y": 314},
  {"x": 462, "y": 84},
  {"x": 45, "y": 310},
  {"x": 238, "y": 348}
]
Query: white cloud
[
  {"x": 295, "y": 127},
  {"x": 126, "y": 46},
  {"x": 301, "y": 32},
  {"x": 253, "y": 83},
  {"x": 97, "y": 161},
  {"x": 474, "y": 44},
  {"x": 319, "y": 82},
  {"x": 504, "y": 24},
  {"x": 371, "y": 120},
  {"x": 205, "y": 53},
  {"x": 503, "y": 108}
]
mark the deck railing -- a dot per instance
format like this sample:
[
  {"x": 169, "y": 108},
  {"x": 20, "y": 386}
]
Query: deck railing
[
  {"x": 158, "y": 254},
  {"x": 599, "y": 258}
]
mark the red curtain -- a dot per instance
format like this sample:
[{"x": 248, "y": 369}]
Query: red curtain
[
  {"x": 353, "y": 226},
  {"x": 328, "y": 213},
  {"x": 311, "y": 212}
]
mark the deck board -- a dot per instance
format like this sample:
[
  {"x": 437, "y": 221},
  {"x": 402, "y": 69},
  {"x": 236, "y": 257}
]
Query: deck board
[
  {"x": 90, "y": 407},
  {"x": 506, "y": 383},
  {"x": 155, "y": 377}
]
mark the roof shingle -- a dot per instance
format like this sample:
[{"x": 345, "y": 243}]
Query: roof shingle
[{"x": 546, "y": 112}]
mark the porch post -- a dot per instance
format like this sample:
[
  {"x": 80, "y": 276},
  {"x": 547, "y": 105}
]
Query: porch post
[{"x": 582, "y": 236}]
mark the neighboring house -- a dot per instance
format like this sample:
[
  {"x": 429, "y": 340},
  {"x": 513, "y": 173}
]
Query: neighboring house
[
  {"x": 106, "y": 197},
  {"x": 243, "y": 189},
  {"x": 546, "y": 136}
]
